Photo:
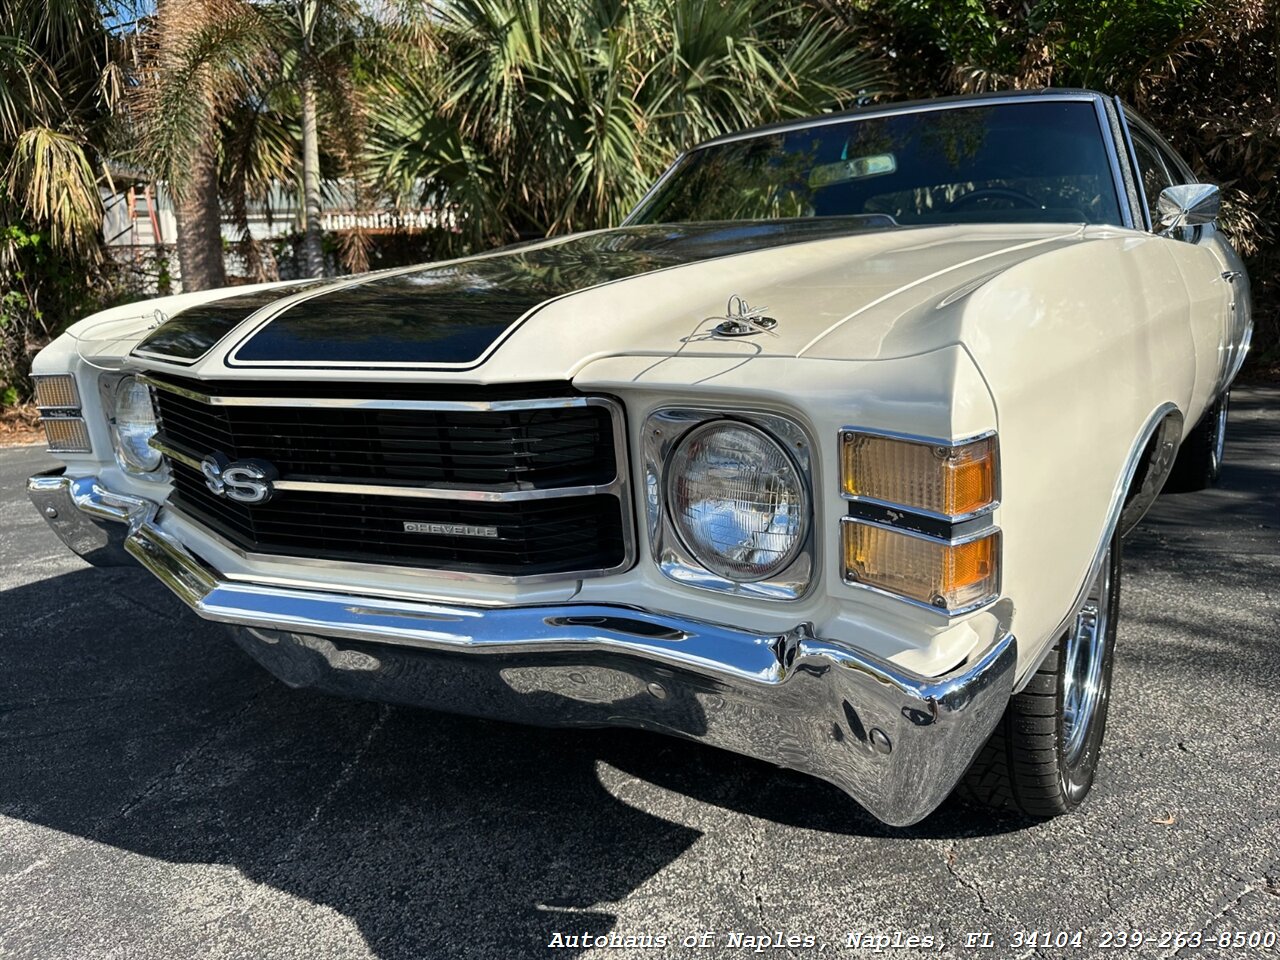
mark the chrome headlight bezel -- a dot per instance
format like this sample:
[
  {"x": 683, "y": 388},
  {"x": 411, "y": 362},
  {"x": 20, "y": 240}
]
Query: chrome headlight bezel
[
  {"x": 664, "y": 430},
  {"x": 136, "y": 457}
]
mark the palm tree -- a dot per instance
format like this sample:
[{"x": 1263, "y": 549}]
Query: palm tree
[
  {"x": 190, "y": 121},
  {"x": 243, "y": 89},
  {"x": 58, "y": 82},
  {"x": 315, "y": 43},
  {"x": 534, "y": 116}
]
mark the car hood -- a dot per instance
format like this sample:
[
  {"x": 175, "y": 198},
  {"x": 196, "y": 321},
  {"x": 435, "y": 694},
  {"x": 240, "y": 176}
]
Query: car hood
[{"x": 836, "y": 288}]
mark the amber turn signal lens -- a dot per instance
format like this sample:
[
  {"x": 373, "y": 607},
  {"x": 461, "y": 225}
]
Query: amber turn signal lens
[
  {"x": 56, "y": 391},
  {"x": 67, "y": 435},
  {"x": 947, "y": 576},
  {"x": 949, "y": 481}
]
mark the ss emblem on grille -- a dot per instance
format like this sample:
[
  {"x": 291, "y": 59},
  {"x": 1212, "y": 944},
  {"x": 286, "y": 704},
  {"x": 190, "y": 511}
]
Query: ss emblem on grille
[{"x": 245, "y": 481}]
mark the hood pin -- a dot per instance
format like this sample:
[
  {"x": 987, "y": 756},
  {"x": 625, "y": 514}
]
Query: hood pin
[{"x": 743, "y": 320}]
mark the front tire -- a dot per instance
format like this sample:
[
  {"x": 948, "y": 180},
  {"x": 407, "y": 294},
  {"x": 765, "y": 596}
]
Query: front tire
[
  {"x": 1041, "y": 759},
  {"x": 1199, "y": 462}
]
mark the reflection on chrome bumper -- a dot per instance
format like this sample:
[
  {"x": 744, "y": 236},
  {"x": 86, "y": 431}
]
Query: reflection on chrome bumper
[
  {"x": 895, "y": 741},
  {"x": 90, "y": 519}
]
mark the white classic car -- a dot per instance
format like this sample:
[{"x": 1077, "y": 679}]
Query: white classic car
[{"x": 783, "y": 464}]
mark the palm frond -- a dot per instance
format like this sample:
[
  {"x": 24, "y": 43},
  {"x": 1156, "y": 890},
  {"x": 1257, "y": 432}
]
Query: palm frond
[
  {"x": 51, "y": 176},
  {"x": 202, "y": 59},
  {"x": 28, "y": 87},
  {"x": 571, "y": 109}
]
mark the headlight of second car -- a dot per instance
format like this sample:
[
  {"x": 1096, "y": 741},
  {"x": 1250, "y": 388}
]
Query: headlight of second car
[
  {"x": 134, "y": 424},
  {"x": 737, "y": 500}
]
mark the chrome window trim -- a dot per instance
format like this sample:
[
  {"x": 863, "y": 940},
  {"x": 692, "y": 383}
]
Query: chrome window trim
[
  {"x": 1132, "y": 155},
  {"x": 1162, "y": 146},
  {"x": 1113, "y": 156},
  {"x": 889, "y": 110},
  {"x": 619, "y": 488},
  {"x": 663, "y": 429},
  {"x": 1137, "y": 169},
  {"x": 1180, "y": 173},
  {"x": 649, "y": 194},
  {"x": 980, "y": 533},
  {"x": 930, "y": 441}
]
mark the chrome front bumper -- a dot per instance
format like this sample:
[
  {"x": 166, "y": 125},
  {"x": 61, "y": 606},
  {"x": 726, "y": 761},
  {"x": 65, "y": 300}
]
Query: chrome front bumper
[{"x": 895, "y": 741}]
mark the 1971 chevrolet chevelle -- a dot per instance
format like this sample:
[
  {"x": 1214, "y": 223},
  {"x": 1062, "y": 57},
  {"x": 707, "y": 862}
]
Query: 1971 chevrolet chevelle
[{"x": 784, "y": 463}]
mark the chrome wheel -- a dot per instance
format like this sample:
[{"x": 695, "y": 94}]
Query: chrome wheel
[
  {"x": 1219, "y": 437},
  {"x": 1084, "y": 677},
  {"x": 1044, "y": 753}
]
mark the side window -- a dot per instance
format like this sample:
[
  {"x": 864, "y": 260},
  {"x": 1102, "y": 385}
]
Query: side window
[
  {"x": 1177, "y": 167},
  {"x": 1154, "y": 175}
]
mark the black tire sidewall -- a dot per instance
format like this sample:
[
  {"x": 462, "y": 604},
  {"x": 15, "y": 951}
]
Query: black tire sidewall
[{"x": 1195, "y": 467}]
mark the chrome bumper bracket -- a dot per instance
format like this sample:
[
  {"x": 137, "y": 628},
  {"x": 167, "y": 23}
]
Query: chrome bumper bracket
[{"x": 91, "y": 520}]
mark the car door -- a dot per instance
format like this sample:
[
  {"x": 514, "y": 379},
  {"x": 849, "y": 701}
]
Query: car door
[
  {"x": 1238, "y": 319},
  {"x": 1211, "y": 270}
]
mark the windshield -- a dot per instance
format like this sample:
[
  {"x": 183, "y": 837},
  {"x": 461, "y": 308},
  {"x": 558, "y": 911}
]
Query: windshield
[{"x": 1035, "y": 162}]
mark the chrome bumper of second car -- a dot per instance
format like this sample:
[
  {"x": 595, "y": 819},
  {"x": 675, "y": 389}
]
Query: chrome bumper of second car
[{"x": 895, "y": 741}]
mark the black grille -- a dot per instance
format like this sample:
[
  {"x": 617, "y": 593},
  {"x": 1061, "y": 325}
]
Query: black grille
[
  {"x": 491, "y": 450},
  {"x": 510, "y": 450}
]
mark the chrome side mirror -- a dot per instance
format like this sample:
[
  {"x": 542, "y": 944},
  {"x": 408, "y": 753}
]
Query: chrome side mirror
[{"x": 1188, "y": 205}]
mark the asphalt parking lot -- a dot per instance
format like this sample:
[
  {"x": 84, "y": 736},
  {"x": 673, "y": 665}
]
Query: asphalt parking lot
[{"x": 162, "y": 797}]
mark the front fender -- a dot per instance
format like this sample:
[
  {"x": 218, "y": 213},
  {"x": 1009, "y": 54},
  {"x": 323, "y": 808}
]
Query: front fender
[{"x": 1089, "y": 354}]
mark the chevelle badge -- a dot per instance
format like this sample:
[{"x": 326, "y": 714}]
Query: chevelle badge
[{"x": 450, "y": 529}]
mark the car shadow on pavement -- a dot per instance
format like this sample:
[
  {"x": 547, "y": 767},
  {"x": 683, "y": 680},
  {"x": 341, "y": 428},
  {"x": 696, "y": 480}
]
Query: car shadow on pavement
[{"x": 127, "y": 721}]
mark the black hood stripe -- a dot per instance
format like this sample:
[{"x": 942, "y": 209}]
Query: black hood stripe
[
  {"x": 191, "y": 333},
  {"x": 453, "y": 315}
]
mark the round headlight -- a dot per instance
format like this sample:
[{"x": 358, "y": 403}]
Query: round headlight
[
  {"x": 737, "y": 501},
  {"x": 135, "y": 424}
]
